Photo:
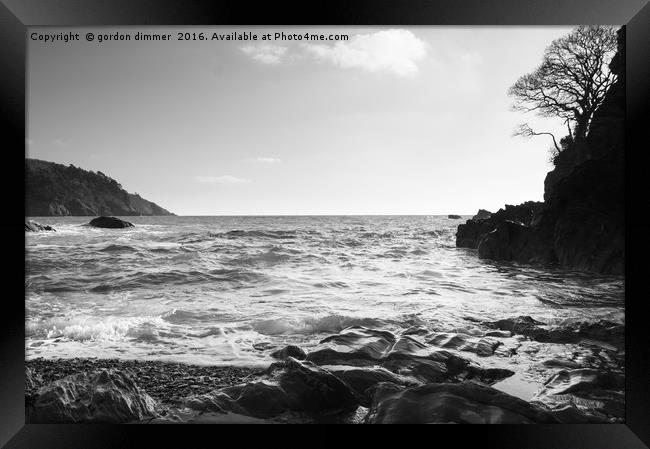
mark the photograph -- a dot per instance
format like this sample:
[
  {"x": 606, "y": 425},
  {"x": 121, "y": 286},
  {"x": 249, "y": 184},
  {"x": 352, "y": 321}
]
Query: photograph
[{"x": 325, "y": 224}]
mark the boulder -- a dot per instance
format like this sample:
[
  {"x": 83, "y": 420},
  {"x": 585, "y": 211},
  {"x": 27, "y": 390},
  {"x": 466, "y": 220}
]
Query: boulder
[
  {"x": 355, "y": 345},
  {"x": 461, "y": 403},
  {"x": 481, "y": 346},
  {"x": 412, "y": 358},
  {"x": 109, "y": 222},
  {"x": 361, "y": 379},
  {"x": 292, "y": 386},
  {"x": 469, "y": 234},
  {"x": 454, "y": 217},
  {"x": 105, "y": 396},
  {"x": 289, "y": 351},
  {"x": 598, "y": 393},
  {"x": 32, "y": 226}
]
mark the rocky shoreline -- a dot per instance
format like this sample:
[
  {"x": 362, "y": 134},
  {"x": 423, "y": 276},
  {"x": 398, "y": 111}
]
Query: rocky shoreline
[
  {"x": 359, "y": 375},
  {"x": 580, "y": 224}
]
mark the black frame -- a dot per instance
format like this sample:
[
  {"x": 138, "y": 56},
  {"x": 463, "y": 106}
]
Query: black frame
[{"x": 17, "y": 15}]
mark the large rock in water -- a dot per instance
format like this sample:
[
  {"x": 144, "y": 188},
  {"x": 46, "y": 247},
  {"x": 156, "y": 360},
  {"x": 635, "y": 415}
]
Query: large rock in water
[
  {"x": 106, "y": 396},
  {"x": 109, "y": 222},
  {"x": 460, "y": 403},
  {"x": 469, "y": 234},
  {"x": 32, "y": 226}
]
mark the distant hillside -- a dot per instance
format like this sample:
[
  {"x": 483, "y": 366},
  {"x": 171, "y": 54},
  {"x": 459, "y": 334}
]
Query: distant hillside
[{"x": 56, "y": 189}]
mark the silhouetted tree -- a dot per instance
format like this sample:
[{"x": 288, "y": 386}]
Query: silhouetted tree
[{"x": 572, "y": 80}]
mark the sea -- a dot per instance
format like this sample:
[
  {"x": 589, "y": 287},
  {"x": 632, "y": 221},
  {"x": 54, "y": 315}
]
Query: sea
[{"x": 224, "y": 290}]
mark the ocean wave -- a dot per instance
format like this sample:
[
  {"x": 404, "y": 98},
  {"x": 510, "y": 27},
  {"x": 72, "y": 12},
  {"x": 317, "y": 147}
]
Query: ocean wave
[
  {"x": 117, "y": 248},
  {"x": 266, "y": 234},
  {"x": 308, "y": 326},
  {"x": 272, "y": 256},
  {"x": 84, "y": 329}
]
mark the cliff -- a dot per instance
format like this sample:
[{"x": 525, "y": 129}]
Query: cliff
[
  {"x": 580, "y": 225},
  {"x": 56, "y": 189}
]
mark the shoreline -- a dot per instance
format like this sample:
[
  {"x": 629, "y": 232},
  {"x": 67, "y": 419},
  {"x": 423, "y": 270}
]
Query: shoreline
[{"x": 167, "y": 382}]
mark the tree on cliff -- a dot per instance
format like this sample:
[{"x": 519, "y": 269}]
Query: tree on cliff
[{"x": 570, "y": 83}]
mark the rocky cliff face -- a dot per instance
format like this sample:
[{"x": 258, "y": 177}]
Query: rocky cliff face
[
  {"x": 580, "y": 224},
  {"x": 56, "y": 189}
]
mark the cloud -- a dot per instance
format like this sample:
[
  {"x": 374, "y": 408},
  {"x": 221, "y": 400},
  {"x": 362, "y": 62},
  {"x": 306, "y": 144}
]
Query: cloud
[
  {"x": 396, "y": 51},
  {"x": 61, "y": 143},
  {"x": 263, "y": 160},
  {"x": 223, "y": 179},
  {"x": 266, "y": 53}
]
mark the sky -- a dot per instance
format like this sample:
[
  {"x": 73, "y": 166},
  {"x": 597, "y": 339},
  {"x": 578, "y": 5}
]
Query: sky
[{"x": 394, "y": 120}]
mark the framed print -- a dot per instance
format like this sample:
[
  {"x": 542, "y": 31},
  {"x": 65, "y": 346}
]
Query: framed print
[{"x": 360, "y": 213}]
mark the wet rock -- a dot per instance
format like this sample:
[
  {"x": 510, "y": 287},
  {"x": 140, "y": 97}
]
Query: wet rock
[
  {"x": 512, "y": 241},
  {"x": 483, "y": 347},
  {"x": 105, "y": 396},
  {"x": 581, "y": 380},
  {"x": 602, "y": 330},
  {"x": 522, "y": 325},
  {"x": 354, "y": 345},
  {"x": 109, "y": 222},
  {"x": 410, "y": 357},
  {"x": 289, "y": 351},
  {"x": 453, "y": 216},
  {"x": 415, "y": 330},
  {"x": 469, "y": 234},
  {"x": 464, "y": 402},
  {"x": 32, "y": 226},
  {"x": 292, "y": 386},
  {"x": 595, "y": 392},
  {"x": 361, "y": 379}
]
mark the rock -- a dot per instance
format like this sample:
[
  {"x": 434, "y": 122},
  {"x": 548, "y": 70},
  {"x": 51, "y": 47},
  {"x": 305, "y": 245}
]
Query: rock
[
  {"x": 506, "y": 241},
  {"x": 580, "y": 225},
  {"x": 313, "y": 389},
  {"x": 522, "y": 325},
  {"x": 483, "y": 347},
  {"x": 361, "y": 379},
  {"x": 455, "y": 217},
  {"x": 289, "y": 351},
  {"x": 354, "y": 345},
  {"x": 412, "y": 358},
  {"x": 292, "y": 386},
  {"x": 406, "y": 356},
  {"x": 602, "y": 330},
  {"x": 32, "y": 226},
  {"x": 469, "y": 234},
  {"x": 462, "y": 403},
  {"x": 594, "y": 392},
  {"x": 482, "y": 214},
  {"x": 109, "y": 222},
  {"x": 105, "y": 396}
]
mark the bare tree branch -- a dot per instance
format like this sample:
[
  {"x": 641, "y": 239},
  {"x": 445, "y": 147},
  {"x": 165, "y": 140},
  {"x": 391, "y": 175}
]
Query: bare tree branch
[{"x": 571, "y": 81}]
